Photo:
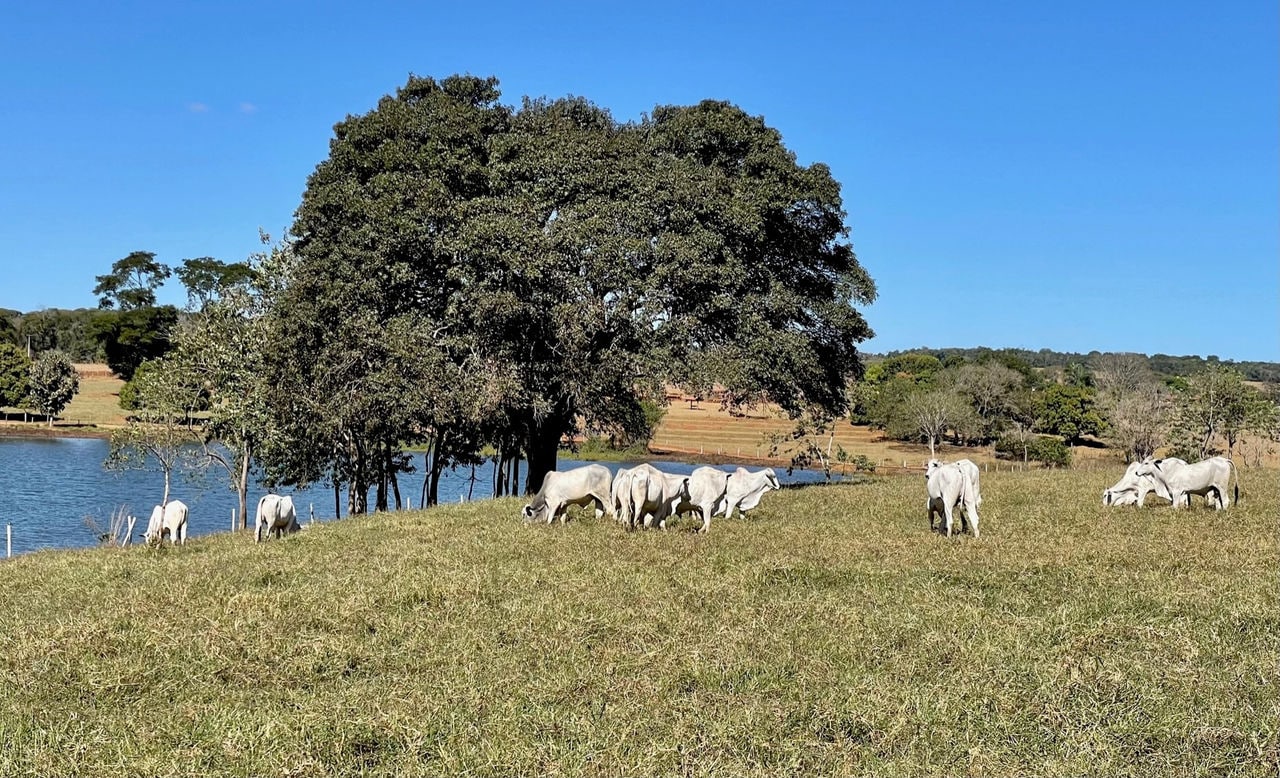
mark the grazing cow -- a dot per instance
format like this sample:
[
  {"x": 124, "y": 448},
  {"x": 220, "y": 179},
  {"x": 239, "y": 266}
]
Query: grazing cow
[
  {"x": 744, "y": 490},
  {"x": 620, "y": 495},
  {"x": 1209, "y": 477},
  {"x": 655, "y": 495},
  {"x": 970, "y": 471},
  {"x": 1133, "y": 490},
  {"x": 582, "y": 485},
  {"x": 707, "y": 489},
  {"x": 949, "y": 486},
  {"x": 276, "y": 516},
  {"x": 168, "y": 519}
]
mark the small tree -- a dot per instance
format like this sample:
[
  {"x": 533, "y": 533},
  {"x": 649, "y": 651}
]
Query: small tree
[
  {"x": 1069, "y": 411},
  {"x": 53, "y": 383},
  {"x": 15, "y": 372},
  {"x": 161, "y": 434},
  {"x": 1215, "y": 402}
]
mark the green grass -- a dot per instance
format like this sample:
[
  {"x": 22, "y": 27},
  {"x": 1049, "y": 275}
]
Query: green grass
[{"x": 828, "y": 634}]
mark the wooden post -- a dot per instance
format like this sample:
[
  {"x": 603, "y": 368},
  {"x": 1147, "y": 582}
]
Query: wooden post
[
  {"x": 311, "y": 509},
  {"x": 8, "y": 539},
  {"x": 233, "y": 519}
]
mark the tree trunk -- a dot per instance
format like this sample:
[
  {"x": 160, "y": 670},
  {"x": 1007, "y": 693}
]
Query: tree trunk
[
  {"x": 165, "y": 501},
  {"x": 337, "y": 495},
  {"x": 542, "y": 447},
  {"x": 426, "y": 472},
  {"x": 396, "y": 490},
  {"x": 437, "y": 466},
  {"x": 242, "y": 487}
]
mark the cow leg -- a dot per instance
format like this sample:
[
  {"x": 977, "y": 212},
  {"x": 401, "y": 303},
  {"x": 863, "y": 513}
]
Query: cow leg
[
  {"x": 947, "y": 512},
  {"x": 972, "y": 512},
  {"x": 706, "y": 518}
]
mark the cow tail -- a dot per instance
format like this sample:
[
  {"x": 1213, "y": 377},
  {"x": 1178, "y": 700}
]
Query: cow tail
[{"x": 1237, "y": 474}]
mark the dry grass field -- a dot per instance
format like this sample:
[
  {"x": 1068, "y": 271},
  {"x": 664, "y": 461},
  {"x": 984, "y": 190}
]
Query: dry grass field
[{"x": 829, "y": 634}]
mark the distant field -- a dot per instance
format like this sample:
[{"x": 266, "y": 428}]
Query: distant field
[{"x": 830, "y": 634}]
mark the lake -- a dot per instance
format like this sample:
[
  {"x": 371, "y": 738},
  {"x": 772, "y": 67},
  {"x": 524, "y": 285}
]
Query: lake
[{"x": 50, "y": 486}]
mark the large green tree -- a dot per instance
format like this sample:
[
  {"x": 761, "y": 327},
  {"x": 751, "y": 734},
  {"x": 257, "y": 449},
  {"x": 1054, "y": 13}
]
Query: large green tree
[
  {"x": 130, "y": 326},
  {"x": 469, "y": 273}
]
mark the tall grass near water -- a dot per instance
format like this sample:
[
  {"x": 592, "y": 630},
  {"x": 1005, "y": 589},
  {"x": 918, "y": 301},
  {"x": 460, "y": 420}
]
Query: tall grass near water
[{"x": 828, "y": 634}]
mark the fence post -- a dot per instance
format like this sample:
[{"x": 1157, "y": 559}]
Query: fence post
[
  {"x": 311, "y": 509},
  {"x": 233, "y": 519},
  {"x": 8, "y": 539}
]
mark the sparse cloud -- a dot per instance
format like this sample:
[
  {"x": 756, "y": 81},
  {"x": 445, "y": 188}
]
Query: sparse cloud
[
  {"x": 197, "y": 108},
  {"x": 248, "y": 108}
]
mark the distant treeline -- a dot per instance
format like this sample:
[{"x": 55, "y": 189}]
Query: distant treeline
[
  {"x": 1161, "y": 364},
  {"x": 68, "y": 331}
]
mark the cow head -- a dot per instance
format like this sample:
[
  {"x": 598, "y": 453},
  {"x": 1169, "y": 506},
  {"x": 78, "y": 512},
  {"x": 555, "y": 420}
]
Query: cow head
[
  {"x": 535, "y": 510},
  {"x": 771, "y": 478}
]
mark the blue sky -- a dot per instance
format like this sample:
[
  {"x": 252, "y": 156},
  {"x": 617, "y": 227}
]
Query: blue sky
[{"x": 1072, "y": 176}]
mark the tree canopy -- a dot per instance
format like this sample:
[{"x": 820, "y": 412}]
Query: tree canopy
[{"x": 471, "y": 273}]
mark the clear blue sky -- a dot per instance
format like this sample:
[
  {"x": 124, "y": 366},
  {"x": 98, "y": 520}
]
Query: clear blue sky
[{"x": 1073, "y": 176}]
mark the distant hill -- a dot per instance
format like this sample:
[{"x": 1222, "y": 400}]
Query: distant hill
[{"x": 1161, "y": 364}]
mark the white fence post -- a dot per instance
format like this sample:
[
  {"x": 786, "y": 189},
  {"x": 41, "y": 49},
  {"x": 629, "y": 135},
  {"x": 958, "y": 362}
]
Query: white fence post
[
  {"x": 311, "y": 508},
  {"x": 233, "y": 519}
]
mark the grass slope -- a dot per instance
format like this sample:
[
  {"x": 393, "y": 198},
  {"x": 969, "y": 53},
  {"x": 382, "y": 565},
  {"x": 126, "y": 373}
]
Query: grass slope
[{"x": 830, "y": 634}]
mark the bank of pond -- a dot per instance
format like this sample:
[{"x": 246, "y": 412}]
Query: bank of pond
[{"x": 55, "y": 492}]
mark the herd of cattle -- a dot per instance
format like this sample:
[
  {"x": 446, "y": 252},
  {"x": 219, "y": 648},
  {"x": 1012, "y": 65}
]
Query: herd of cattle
[{"x": 644, "y": 496}]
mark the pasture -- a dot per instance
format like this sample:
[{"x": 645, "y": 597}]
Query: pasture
[{"x": 828, "y": 634}]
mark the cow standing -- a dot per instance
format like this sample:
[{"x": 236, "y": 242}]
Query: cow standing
[
  {"x": 580, "y": 486},
  {"x": 707, "y": 489},
  {"x": 949, "y": 486},
  {"x": 1205, "y": 478},
  {"x": 744, "y": 490},
  {"x": 169, "y": 519},
  {"x": 276, "y": 516}
]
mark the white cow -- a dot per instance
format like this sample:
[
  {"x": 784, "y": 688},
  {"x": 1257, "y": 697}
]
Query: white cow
[
  {"x": 1209, "y": 477},
  {"x": 620, "y": 495},
  {"x": 168, "y": 519},
  {"x": 1132, "y": 489},
  {"x": 655, "y": 495},
  {"x": 744, "y": 490},
  {"x": 582, "y": 485},
  {"x": 970, "y": 471},
  {"x": 276, "y": 516},
  {"x": 949, "y": 486},
  {"x": 707, "y": 489}
]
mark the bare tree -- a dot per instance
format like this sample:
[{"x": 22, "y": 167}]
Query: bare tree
[
  {"x": 1139, "y": 420},
  {"x": 933, "y": 412}
]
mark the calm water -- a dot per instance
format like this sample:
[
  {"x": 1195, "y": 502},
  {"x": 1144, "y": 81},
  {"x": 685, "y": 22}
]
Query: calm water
[{"x": 48, "y": 486}]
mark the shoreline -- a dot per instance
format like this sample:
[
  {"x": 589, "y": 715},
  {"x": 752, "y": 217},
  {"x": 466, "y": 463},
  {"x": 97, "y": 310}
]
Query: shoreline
[{"x": 18, "y": 429}]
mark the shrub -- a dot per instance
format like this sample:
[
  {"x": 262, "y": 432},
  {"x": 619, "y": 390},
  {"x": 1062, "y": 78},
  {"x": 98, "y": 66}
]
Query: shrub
[{"x": 1046, "y": 450}]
